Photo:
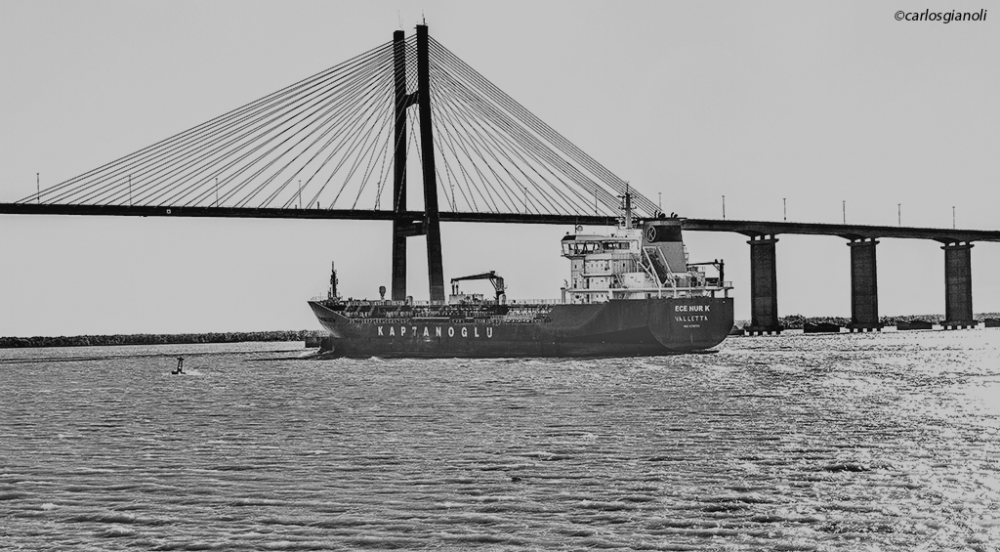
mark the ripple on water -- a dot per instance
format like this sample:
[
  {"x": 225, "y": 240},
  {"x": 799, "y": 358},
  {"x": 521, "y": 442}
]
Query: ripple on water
[{"x": 884, "y": 442}]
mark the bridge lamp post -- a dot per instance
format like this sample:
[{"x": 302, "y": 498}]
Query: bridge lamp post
[
  {"x": 843, "y": 208},
  {"x": 723, "y": 207},
  {"x": 784, "y": 208},
  {"x": 899, "y": 214}
]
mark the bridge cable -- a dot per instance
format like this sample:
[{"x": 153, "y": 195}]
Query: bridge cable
[
  {"x": 509, "y": 125},
  {"x": 502, "y": 138},
  {"x": 194, "y": 132},
  {"x": 141, "y": 189},
  {"x": 508, "y": 148},
  {"x": 540, "y": 127}
]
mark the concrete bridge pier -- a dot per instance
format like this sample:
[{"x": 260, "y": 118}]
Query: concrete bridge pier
[
  {"x": 958, "y": 286},
  {"x": 763, "y": 286},
  {"x": 864, "y": 286}
]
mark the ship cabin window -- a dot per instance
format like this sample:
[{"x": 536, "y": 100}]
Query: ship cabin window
[
  {"x": 580, "y": 248},
  {"x": 616, "y": 245}
]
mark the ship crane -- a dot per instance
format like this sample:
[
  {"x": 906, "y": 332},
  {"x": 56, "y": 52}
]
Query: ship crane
[{"x": 494, "y": 279}]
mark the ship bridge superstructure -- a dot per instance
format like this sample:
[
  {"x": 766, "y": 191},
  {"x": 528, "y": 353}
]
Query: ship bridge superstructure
[{"x": 638, "y": 260}]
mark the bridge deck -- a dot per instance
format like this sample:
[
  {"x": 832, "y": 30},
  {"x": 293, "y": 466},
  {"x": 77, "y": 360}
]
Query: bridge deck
[{"x": 746, "y": 227}]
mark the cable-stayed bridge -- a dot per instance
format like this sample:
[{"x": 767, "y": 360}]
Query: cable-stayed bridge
[
  {"x": 332, "y": 142},
  {"x": 343, "y": 143},
  {"x": 409, "y": 133}
]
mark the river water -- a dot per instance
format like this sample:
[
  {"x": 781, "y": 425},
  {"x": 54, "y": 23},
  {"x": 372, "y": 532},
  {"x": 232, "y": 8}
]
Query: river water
[{"x": 852, "y": 442}]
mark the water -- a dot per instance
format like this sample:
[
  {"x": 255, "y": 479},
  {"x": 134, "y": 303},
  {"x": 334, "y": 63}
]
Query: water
[{"x": 851, "y": 442}]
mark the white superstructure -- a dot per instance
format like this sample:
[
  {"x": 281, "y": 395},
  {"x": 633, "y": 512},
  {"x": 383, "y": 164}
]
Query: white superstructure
[{"x": 636, "y": 261}]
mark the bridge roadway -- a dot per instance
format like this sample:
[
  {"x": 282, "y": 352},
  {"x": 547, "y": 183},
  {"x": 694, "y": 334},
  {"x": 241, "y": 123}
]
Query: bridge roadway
[
  {"x": 763, "y": 237},
  {"x": 746, "y": 227}
]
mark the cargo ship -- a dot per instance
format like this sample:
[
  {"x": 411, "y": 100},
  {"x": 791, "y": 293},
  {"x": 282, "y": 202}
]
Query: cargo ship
[{"x": 631, "y": 292}]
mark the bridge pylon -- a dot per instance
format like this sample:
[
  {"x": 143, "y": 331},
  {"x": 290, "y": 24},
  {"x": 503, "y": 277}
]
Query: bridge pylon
[{"x": 403, "y": 226}]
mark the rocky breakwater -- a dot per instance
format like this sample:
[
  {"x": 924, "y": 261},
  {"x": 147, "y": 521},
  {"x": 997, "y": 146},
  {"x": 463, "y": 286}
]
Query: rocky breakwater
[{"x": 156, "y": 339}]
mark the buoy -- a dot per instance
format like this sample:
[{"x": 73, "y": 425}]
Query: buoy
[{"x": 180, "y": 366}]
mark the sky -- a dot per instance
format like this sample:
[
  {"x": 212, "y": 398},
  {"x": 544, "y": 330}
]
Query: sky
[{"x": 832, "y": 109}]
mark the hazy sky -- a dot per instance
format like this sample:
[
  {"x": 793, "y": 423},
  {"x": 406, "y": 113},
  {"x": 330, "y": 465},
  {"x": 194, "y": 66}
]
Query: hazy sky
[{"x": 814, "y": 102}]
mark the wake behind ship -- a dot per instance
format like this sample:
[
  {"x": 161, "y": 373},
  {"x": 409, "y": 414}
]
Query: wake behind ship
[{"x": 631, "y": 292}]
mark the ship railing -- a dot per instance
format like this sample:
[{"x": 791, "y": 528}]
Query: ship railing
[
  {"x": 599, "y": 272},
  {"x": 675, "y": 292},
  {"x": 425, "y": 303},
  {"x": 385, "y": 302},
  {"x": 526, "y": 302},
  {"x": 715, "y": 286},
  {"x": 510, "y": 302}
]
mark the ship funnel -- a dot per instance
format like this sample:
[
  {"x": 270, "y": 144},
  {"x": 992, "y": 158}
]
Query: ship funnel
[{"x": 665, "y": 234}]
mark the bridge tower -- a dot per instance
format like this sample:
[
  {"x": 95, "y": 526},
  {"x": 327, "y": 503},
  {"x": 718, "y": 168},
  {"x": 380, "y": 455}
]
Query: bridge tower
[{"x": 402, "y": 226}]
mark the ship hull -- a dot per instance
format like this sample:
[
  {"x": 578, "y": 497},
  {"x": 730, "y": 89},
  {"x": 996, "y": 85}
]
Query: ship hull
[{"x": 632, "y": 327}]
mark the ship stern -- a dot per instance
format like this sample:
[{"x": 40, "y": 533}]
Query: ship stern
[{"x": 690, "y": 323}]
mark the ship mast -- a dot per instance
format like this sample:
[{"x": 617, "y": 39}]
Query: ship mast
[
  {"x": 627, "y": 207},
  {"x": 332, "y": 291}
]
